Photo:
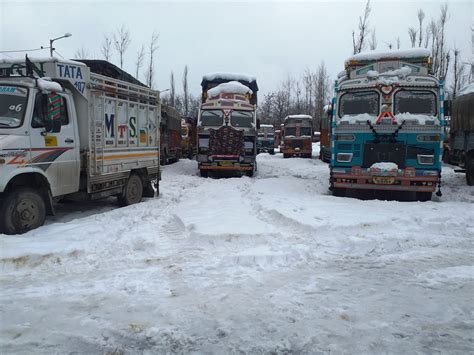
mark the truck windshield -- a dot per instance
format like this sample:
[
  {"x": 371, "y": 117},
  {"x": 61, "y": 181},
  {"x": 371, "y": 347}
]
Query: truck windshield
[
  {"x": 305, "y": 131},
  {"x": 416, "y": 102},
  {"x": 290, "y": 131},
  {"x": 241, "y": 119},
  {"x": 356, "y": 103},
  {"x": 13, "y": 101},
  {"x": 211, "y": 118}
]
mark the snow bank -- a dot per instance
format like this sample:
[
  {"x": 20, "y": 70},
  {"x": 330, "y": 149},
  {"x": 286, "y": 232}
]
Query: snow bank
[
  {"x": 229, "y": 76},
  {"x": 49, "y": 85},
  {"x": 232, "y": 87},
  {"x": 384, "y": 166},
  {"x": 417, "y": 119},
  {"x": 379, "y": 55},
  {"x": 468, "y": 89}
]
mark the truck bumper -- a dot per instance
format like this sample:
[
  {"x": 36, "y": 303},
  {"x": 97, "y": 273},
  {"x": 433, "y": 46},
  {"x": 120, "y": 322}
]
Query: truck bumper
[
  {"x": 296, "y": 153},
  {"x": 228, "y": 167}
]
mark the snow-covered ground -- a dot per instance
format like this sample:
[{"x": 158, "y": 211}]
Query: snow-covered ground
[{"x": 272, "y": 263}]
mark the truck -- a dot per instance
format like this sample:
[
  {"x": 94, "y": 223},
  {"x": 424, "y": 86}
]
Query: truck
[
  {"x": 461, "y": 133},
  {"x": 66, "y": 131},
  {"x": 170, "y": 128},
  {"x": 266, "y": 139},
  {"x": 297, "y": 136},
  {"x": 227, "y": 124},
  {"x": 189, "y": 137},
  {"x": 325, "y": 134},
  {"x": 387, "y": 126}
]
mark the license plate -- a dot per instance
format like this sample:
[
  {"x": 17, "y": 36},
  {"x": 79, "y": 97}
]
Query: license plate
[
  {"x": 226, "y": 163},
  {"x": 383, "y": 180}
]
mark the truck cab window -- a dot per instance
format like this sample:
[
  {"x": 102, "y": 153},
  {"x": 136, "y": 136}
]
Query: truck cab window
[
  {"x": 40, "y": 111},
  {"x": 416, "y": 102},
  {"x": 241, "y": 118},
  {"x": 290, "y": 131},
  {"x": 211, "y": 118},
  {"x": 356, "y": 103}
]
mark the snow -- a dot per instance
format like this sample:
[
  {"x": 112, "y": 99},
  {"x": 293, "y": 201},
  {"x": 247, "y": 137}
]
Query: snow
[
  {"x": 229, "y": 76},
  {"x": 360, "y": 118},
  {"x": 399, "y": 73},
  {"x": 232, "y": 87},
  {"x": 48, "y": 85},
  {"x": 396, "y": 54},
  {"x": 468, "y": 89},
  {"x": 270, "y": 264},
  {"x": 299, "y": 116},
  {"x": 417, "y": 119},
  {"x": 21, "y": 60},
  {"x": 384, "y": 166}
]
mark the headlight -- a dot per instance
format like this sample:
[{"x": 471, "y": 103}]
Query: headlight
[
  {"x": 425, "y": 159},
  {"x": 344, "y": 157}
]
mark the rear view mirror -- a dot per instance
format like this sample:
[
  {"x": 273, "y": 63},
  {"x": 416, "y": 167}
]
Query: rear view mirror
[
  {"x": 258, "y": 123},
  {"x": 447, "y": 107}
]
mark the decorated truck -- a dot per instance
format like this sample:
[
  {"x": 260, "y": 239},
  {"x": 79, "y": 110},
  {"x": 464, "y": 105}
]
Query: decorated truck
[
  {"x": 227, "y": 124},
  {"x": 266, "y": 139},
  {"x": 387, "y": 127},
  {"x": 170, "y": 128},
  {"x": 297, "y": 137},
  {"x": 189, "y": 137},
  {"x": 68, "y": 132},
  {"x": 461, "y": 142}
]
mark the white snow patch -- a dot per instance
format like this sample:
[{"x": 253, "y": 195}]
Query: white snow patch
[
  {"x": 384, "y": 166},
  {"x": 360, "y": 118},
  {"x": 399, "y": 73},
  {"x": 417, "y": 119},
  {"x": 232, "y": 87},
  {"x": 399, "y": 54},
  {"x": 449, "y": 274},
  {"x": 48, "y": 85}
]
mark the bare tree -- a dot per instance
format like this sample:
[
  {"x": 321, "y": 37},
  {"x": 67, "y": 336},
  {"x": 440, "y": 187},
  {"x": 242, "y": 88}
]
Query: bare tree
[
  {"x": 106, "y": 47},
  {"x": 359, "y": 43},
  {"x": 373, "y": 40},
  {"x": 82, "y": 53},
  {"x": 421, "y": 17},
  {"x": 459, "y": 77},
  {"x": 321, "y": 93},
  {"x": 185, "y": 91},
  {"x": 152, "y": 48},
  {"x": 398, "y": 43},
  {"x": 172, "y": 89},
  {"x": 121, "y": 42},
  {"x": 139, "y": 61},
  {"x": 412, "y": 32}
]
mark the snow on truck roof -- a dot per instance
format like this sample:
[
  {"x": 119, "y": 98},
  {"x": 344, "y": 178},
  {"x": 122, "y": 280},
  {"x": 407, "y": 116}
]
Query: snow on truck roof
[
  {"x": 389, "y": 55},
  {"x": 299, "y": 116},
  {"x": 232, "y": 87},
  {"x": 40, "y": 60}
]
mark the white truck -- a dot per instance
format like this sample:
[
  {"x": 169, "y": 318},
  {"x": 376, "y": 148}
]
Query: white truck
[{"x": 68, "y": 132}]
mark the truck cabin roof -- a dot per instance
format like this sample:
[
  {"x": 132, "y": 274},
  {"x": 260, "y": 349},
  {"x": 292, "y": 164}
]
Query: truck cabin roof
[
  {"x": 210, "y": 81},
  {"x": 110, "y": 70},
  {"x": 298, "y": 119}
]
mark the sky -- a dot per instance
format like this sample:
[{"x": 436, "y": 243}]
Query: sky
[{"x": 270, "y": 40}]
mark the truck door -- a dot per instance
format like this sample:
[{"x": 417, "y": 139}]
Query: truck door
[{"x": 55, "y": 150}]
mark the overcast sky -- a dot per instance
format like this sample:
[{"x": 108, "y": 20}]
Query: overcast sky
[{"x": 270, "y": 40}]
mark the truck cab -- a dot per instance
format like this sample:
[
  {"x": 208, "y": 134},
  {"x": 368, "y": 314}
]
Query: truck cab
[
  {"x": 266, "y": 139},
  {"x": 297, "y": 137}
]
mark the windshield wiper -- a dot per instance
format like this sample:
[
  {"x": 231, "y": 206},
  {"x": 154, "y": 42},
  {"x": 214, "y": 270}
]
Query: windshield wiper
[
  {"x": 394, "y": 135},
  {"x": 376, "y": 134}
]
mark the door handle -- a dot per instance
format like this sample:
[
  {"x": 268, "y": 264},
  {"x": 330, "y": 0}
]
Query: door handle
[{"x": 69, "y": 140}]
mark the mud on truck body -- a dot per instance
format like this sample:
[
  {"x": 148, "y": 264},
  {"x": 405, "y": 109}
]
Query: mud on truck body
[
  {"x": 227, "y": 124},
  {"x": 297, "y": 136},
  {"x": 76, "y": 134},
  {"x": 387, "y": 129},
  {"x": 266, "y": 139}
]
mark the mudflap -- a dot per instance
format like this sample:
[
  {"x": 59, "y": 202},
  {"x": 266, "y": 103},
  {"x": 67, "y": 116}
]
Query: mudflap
[{"x": 148, "y": 190}]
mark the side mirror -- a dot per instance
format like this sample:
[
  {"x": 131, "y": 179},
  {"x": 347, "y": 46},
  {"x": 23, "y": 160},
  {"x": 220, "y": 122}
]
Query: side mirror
[{"x": 258, "y": 123}]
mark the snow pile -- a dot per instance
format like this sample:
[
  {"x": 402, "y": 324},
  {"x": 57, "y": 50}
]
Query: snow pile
[
  {"x": 48, "y": 85},
  {"x": 386, "y": 55},
  {"x": 232, "y": 87},
  {"x": 411, "y": 118},
  {"x": 384, "y": 166},
  {"x": 468, "y": 89},
  {"x": 398, "y": 73},
  {"x": 360, "y": 118},
  {"x": 229, "y": 76}
]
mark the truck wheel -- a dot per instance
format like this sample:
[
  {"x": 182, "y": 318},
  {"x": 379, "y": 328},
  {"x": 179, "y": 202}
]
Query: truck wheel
[
  {"x": 286, "y": 155},
  {"x": 338, "y": 192},
  {"x": 204, "y": 173},
  {"x": 424, "y": 196},
  {"x": 22, "y": 211},
  {"x": 132, "y": 191},
  {"x": 470, "y": 171},
  {"x": 271, "y": 151}
]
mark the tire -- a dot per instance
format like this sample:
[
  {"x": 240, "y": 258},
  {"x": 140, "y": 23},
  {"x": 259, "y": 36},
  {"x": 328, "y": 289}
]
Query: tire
[
  {"x": 22, "y": 210},
  {"x": 272, "y": 151},
  {"x": 204, "y": 173},
  {"x": 286, "y": 155},
  {"x": 249, "y": 173},
  {"x": 424, "y": 196},
  {"x": 470, "y": 171},
  {"x": 132, "y": 191}
]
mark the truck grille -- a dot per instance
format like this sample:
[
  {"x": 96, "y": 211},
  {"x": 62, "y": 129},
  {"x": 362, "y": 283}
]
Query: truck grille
[
  {"x": 385, "y": 152},
  {"x": 226, "y": 141}
]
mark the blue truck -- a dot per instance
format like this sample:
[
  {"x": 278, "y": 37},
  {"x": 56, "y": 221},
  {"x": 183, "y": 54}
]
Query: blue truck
[{"x": 387, "y": 128}]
